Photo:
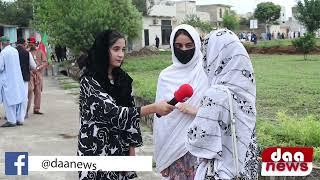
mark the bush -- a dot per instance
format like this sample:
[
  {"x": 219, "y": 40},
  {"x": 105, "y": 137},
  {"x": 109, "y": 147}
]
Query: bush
[
  {"x": 305, "y": 44},
  {"x": 289, "y": 131}
]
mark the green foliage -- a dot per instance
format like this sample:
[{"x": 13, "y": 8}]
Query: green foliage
[
  {"x": 287, "y": 83},
  {"x": 308, "y": 14},
  {"x": 305, "y": 43},
  {"x": 18, "y": 12},
  {"x": 230, "y": 21},
  {"x": 195, "y": 21},
  {"x": 145, "y": 72},
  {"x": 75, "y": 23},
  {"x": 244, "y": 21},
  {"x": 143, "y": 6},
  {"x": 267, "y": 12},
  {"x": 289, "y": 131}
]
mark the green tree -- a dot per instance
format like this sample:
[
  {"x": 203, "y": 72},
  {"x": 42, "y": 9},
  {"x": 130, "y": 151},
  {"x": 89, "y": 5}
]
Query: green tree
[
  {"x": 18, "y": 12},
  {"x": 75, "y": 23},
  {"x": 230, "y": 21},
  {"x": 305, "y": 44},
  {"x": 143, "y": 6},
  {"x": 267, "y": 13},
  {"x": 195, "y": 21},
  {"x": 308, "y": 13}
]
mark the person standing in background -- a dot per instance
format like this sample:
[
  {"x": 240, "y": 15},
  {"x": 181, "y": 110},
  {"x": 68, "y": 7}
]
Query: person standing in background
[
  {"x": 27, "y": 64},
  {"x": 36, "y": 79},
  {"x": 157, "y": 41},
  {"x": 12, "y": 92}
]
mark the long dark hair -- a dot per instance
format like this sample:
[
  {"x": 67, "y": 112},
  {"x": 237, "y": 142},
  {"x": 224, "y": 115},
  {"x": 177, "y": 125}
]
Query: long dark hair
[{"x": 96, "y": 64}]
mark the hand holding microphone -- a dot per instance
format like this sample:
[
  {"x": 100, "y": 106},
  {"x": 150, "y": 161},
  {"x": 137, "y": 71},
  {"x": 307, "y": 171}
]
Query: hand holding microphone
[{"x": 184, "y": 92}]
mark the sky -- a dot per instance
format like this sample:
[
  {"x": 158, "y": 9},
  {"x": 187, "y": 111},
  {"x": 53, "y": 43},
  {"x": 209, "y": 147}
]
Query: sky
[{"x": 244, "y": 6}]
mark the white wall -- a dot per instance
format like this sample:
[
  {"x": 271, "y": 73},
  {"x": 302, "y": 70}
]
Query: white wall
[
  {"x": 204, "y": 16},
  {"x": 185, "y": 8},
  {"x": 154, "y": 29},
  {"x": 163, "y": 10},
  {"x": 283, "y": 15}
]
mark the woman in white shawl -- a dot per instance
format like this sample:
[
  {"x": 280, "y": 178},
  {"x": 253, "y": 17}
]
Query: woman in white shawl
[
  {"x": 223, "y": 132},
  {"x": 170, "y": 154}
]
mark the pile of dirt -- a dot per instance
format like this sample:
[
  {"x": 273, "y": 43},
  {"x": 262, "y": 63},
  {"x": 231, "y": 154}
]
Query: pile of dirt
[
  {"x": 278, "y": 50},
  {"x": 146, "y": 51}
]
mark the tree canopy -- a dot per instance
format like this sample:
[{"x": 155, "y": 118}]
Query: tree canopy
[
  {"x": 308, "y": 13},
  {"x": 18, "y": 12},
  {"x": 195, "y": 21},
  {"x": 230, "y": 21},
  {"x": 267, "y": 12},
  {"x": 75, "y": 23}
]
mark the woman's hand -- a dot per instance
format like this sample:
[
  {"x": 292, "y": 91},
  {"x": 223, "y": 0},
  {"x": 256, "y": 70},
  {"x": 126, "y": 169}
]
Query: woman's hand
[
  {"x": 163, "y": 108},
  {"x": 187, "y": 108},
  {"x": 132, "y": 151},
  {"x": 165, "y": 173}
]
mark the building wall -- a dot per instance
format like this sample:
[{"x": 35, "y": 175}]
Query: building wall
[
  {"x": 10, "y": 32},
  {"x": 153, "y": 24},
  {"x": 214, "y": 11},
  {"x": 163, "y": 10},
  {"x": 204, "y": 16},
  {"x": 283, "y": 17},
  {"x": 154, "y": 29},
  {"x": 183, "y": 9}
]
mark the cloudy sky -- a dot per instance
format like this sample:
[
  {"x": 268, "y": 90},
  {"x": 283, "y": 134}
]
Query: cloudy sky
[{"x": 244, "y": 6}]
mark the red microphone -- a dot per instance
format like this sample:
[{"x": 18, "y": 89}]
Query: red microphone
[{"x": 184, "y": 92}]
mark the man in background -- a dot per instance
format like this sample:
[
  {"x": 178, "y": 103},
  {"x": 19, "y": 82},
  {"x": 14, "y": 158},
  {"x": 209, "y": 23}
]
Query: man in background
[
  {"x": 11, "y": 84},
  {"x": 27, "y": 64},
  {"x": 36, "y": 79}
]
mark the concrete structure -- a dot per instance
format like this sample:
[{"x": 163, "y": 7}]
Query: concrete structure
[
  {"x": 294, "y": 24},
  {"x": 185, "y": 9},
  {"x": 14, "y": 32},
  {"x": 166, "y": 15},
  {"x": 216, "y": 12},
  {"x": 162, "y": 18},
  {"x": 157, "y": 23},
  {"x": 10, "y": 31}
]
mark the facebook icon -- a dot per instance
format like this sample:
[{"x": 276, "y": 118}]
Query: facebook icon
[{"x": 16, "y": 163}]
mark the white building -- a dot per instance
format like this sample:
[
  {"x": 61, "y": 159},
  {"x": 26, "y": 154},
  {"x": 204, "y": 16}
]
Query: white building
[
  {"x": 184, "y": 9},
  {"x": 166, "y": 15},
  {"x": 157, "y": 23},
  {"x": 216, "y": 12}
]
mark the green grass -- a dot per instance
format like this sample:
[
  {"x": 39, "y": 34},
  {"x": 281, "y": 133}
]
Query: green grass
[
  {"x": 288, "y": 95},
  {"x": 287, "y": 83},
  {"x": 284, "y": 83},
  {"x": 145, "y": 72},
  {"x": 289, "y": 131},
  {"x": 70, "y": 86}
]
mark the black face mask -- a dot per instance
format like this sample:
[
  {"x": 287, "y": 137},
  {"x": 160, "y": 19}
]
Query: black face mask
[{"x": 184, "y": 56}]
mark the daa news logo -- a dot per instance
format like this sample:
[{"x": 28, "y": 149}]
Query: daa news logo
[
  {"x": 287, "y": 161},
  {"x": 16, "y": 163}
]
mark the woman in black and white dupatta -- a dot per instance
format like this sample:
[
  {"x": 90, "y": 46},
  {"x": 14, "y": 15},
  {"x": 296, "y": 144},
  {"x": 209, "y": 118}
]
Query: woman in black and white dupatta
[{"x": 228, "y": 148}]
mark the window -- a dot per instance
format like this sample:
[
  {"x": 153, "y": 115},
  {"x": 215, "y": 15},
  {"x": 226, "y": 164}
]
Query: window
[{"x": 220, "y": 13}]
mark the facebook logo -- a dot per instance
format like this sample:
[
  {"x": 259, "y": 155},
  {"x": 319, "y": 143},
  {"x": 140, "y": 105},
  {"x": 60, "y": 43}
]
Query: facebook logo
[{"x": 16, "y": 163}]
